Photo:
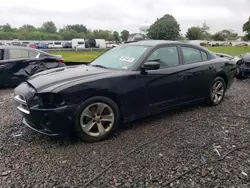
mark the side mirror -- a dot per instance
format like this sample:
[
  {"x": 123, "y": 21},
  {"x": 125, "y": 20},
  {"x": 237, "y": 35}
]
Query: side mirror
[{"x": 151, "y": 65}]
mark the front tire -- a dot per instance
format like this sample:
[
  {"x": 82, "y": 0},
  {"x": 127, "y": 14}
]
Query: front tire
[
  {"x": 216, "y": 91},
  {"x": 97, "y": 119}
]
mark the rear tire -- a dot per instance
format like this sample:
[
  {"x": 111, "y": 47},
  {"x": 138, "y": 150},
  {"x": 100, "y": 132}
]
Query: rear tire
[
  {"x": 97, "y": 119},
  {"x": 216, "y": 91}
]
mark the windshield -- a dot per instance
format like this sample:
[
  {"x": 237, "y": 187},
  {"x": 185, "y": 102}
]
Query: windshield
[{"x": 122, "y": 57}]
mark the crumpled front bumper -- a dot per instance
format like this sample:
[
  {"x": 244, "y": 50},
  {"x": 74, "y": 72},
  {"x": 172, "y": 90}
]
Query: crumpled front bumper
[{"x": 50, "y": 122}]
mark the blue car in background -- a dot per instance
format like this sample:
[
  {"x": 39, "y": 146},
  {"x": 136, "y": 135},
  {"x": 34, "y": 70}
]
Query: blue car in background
[{"x": 42, "y": 46}]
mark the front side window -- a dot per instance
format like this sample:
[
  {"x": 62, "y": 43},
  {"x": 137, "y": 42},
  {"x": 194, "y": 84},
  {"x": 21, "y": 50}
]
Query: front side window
[
  {"x": 122, "y": 57},
  {"x": 57, "y": 43},
  {"x": 15, "y": 53},
  {"x": 167, "y": 56},
  {"x": 191, "y": 55}
]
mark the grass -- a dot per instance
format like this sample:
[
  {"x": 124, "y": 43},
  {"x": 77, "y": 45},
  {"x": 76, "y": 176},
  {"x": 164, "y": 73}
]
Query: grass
[
  {"x": 231, "y": 50},
  {"x": 87, "y": 56},
  {"x": 81, "y": 56}
]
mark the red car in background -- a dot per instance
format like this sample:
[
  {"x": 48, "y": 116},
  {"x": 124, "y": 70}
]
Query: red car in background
[{"x": 33, "y": 46}]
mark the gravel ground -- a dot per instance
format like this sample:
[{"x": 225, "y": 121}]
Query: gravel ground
[{"x": 196, "y": 146}]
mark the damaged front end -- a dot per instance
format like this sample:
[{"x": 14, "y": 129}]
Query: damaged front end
[{"x": 47, "y": 113}]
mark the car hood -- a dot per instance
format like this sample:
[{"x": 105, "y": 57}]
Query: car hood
[{"x": 50, "y": 79}]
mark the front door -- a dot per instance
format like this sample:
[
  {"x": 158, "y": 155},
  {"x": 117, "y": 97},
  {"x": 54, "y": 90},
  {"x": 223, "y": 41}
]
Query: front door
[{"x": 164, "y": 87}]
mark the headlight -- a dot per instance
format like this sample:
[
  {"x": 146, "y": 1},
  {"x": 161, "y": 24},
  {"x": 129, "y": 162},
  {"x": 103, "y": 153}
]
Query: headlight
[{"x": 48, "y": 100}]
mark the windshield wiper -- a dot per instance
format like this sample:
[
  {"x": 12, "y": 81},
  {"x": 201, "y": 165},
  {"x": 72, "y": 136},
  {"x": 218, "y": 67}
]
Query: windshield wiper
[{"x": 101, "y": 66}]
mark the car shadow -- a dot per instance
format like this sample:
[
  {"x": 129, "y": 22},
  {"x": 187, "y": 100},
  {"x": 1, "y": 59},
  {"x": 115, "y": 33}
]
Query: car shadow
[{"x": 163, "y": 115}]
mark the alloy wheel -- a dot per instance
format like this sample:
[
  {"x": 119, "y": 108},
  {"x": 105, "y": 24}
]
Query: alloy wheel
[
  {"x": 218, "y": 91},
  {"x": 97, "y": 119}
]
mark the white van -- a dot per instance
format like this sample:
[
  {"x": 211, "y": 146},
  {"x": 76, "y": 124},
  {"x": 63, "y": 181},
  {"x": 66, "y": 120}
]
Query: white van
[
  {"x": 100, "y": 43},
  {"x": 55, "y": 44},
  {"x": 78, "y": 43}
]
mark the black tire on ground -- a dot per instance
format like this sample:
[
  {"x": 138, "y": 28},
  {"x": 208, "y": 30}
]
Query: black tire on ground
[
  {"x": 210, "y": 100},
  {"x": 78, "y": 129}
]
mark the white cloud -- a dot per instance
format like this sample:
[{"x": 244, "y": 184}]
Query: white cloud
[{"x": 126, "y": 14}]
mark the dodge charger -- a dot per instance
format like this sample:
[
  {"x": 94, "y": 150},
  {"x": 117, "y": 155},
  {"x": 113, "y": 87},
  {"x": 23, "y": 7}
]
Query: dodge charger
[{"x": 126, "y": 83}]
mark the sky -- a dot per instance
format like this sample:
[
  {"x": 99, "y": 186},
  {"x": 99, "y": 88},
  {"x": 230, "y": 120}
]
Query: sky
[{"x": 126, "y": 14}]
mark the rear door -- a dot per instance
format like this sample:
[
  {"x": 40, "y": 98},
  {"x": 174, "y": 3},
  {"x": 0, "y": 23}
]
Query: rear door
[
  {"x": 13, "y": 71},
  {"x": 198, "y": 73}
]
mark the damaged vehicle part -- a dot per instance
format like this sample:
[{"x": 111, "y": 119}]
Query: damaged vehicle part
[
  {"x": 14, "y": 72},
  {"x": 243, "y": 66},
  {"x": 126, "y": 83}
]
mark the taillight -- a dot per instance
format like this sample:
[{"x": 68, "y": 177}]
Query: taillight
[{"x": 60, "y": 60}]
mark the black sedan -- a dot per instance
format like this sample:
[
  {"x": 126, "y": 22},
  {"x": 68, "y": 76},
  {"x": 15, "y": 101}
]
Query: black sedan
[
  {"x": 126, "y": 83},
  {"x": 17, "y": 64}
]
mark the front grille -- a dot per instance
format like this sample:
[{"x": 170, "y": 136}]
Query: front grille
[{"x": 22, "y": 104}]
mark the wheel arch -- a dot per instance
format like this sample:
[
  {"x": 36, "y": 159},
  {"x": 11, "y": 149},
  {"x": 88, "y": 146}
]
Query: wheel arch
[
  {"x": 223, "y": 76},
  {"x": 113, "y": 96}
]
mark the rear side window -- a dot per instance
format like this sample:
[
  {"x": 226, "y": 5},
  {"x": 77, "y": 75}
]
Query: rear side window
[
  {"x": 15, "y": 53},
  {"x": 191, "y": 55},
  {"x": 80, "y": 43},
  {"x": 204, "y": 56}
]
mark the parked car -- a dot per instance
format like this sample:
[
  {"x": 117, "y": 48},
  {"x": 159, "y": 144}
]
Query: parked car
[
  {"x": 243, "y": 66},
  {"x": 42, "y": 46},
  {"x": 55, "y": 44},
  {"x": 100, "y": 43},
  {"x": 17, "y": 64},
  {"x": 128, "y": 82},
  {"x": 90, "y": 43},
  {"x": 78, "y": 43},
  {"x": 16, "y": 43},
  {"x": 242, "y": 44},
  {"x": 25, "y": 44},
  {"x": 32, "y": 45},
  {"x": 67, "y": 44}
]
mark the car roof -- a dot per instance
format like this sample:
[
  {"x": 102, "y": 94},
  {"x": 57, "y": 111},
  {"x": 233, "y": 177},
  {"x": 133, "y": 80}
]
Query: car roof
[{"x": 153, "y": 42}]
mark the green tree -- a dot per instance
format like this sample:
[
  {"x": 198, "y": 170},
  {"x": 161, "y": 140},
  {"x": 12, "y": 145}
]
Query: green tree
[
  {"x": 79, "y": 28},
  {"x": 194, "y": 33},
  {"x": 219, "y": 36},
  {"x": 124, "y": 35},
  {"x": 246, "y": 29},
  {"x": 5, "y": 28},
  {"x": 68, "y": 34},
  {"x": 110, "y": 38},
  {"x": 116, "y": 36},
  {"x": 229, "y": 34},
  {"x": 165, "y": 28},
  {"x": 204, "y": 28},
  {"x": 27, "y": 27},
  {"x": 49, "y": 27}
]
